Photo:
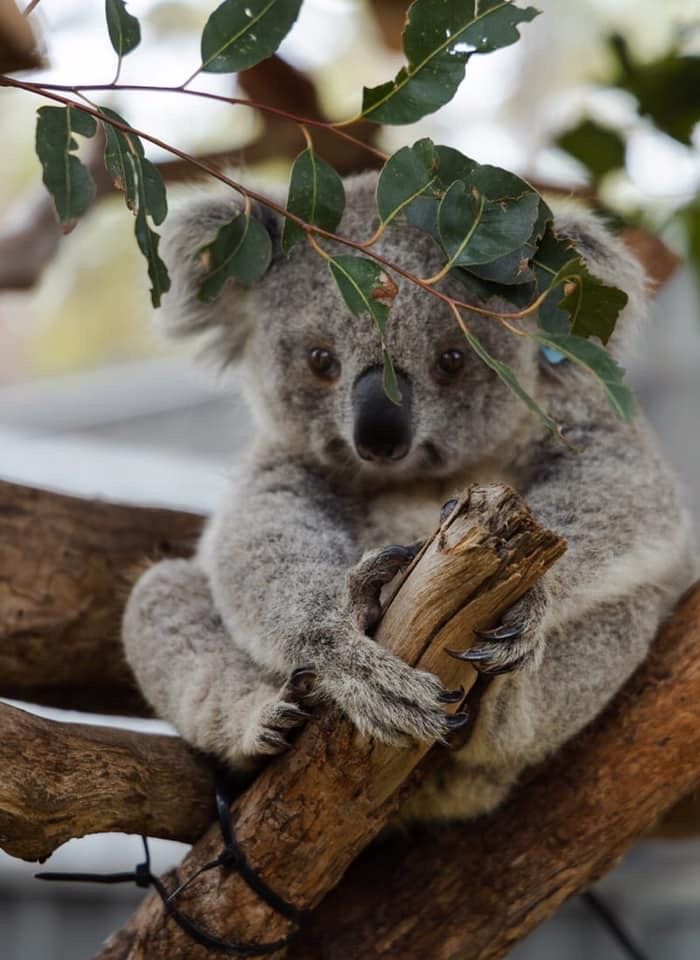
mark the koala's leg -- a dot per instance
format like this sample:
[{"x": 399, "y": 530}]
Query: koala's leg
[
  {"x": 194, "y": 676},
  {"x": 525, "y": 716}
]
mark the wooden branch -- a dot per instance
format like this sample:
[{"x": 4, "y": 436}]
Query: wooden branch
[
  {"x": 308, "y": 815},
  {"x": 63, "y": 780},
  {"x": 491, "y": 882},
  {"x": 67, "y": 566},
  {"x": 18, "y": 46}
]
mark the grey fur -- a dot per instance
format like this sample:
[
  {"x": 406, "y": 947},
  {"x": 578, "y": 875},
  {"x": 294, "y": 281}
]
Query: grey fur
[{"x": 279, "y": 580}]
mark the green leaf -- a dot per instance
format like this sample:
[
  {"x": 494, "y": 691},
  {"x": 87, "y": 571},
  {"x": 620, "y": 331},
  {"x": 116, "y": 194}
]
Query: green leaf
[
  {"x": 241, "y": 249},
  {"x": 123, "y": 28},
  {"x": 438, "y": 39},
  {"x": 598, "y": 148},
  {"x": 241, "y": 33},
  {"x": 148, "y": 244},
  {"x": 316, "y": 194},
  {"x": 476, "y": 230},
  {"x": 597, "y": 361},
  {"x": 367, "y": 289},
  {"x": 515, "y": 269},
  {"x": 144, "y": 193},
  {"x": 507, "y": 375},
  {"x": 579, "y": 304},
  {"x": 666, "y": 88},
  {"x": 404, "y": 177},
  {"x": 67, "y": 179}
]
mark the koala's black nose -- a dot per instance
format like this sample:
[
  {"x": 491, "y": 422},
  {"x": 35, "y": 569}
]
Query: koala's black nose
[{"x": 382, "y": 428}]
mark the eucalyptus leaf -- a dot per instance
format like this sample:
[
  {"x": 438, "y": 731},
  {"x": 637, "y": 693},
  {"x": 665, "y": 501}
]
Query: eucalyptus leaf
[
  {"x": 404, "y": 177},
  {"x": 598, "y": 361},
  {"x": 242, "y": 249},
  {"x": 144, "y": 194},
  {"x": 316, "y": 194},
  {"x": 438, "y": 40},
  {"x": 389, "y": 379},
  {"x": 598, "y": 148},
  {"x": 476, "y": 230},
  {"x": 241, "y": 33},
  {"x": 148, "y": 240},
  {"x": 508, "y": 376},
  {"x": 123, "y": 28},
  {"x": 66, "y": 178}
]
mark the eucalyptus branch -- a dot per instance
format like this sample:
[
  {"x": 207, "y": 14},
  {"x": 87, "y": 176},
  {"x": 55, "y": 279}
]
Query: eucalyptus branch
[
  {"x": 233, "y": 101},
  {"x": 48, "y": 91}
]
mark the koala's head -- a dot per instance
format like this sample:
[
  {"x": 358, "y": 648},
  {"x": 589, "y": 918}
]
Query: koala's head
[{"x": 312, "y": 371}]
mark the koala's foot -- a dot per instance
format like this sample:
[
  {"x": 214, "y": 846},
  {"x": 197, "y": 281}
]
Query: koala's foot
[
  {"x": 515, "y": 642},
  {"x": 365, "y": 581},
  {"x": 386, "y": 698},
  {"x": 277, "y": 715}
]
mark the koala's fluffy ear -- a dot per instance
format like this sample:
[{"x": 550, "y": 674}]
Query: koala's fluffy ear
[
  {"x": 607, "y": 258},
  {"x": 187, "y": 229}
]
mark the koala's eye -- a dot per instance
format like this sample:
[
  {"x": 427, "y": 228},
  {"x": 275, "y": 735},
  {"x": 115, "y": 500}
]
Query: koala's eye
[
  {"x": 451, "y": 362},
  {"x": 323, "y": 363}
]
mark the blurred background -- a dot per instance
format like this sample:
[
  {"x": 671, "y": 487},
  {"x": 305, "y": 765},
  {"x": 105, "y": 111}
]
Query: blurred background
[{"x": 600, "y": 98}]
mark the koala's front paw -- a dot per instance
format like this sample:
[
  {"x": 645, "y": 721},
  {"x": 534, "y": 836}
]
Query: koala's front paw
[
  {"x": 516, "y": 642},
  {"x": 276, "y": 717},
  {"x": 365, "y": 581},
  {"x": 387, "y": 699}
]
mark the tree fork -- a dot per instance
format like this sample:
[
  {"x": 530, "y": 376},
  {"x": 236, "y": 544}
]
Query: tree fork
[{"x": 309, "y": 814}]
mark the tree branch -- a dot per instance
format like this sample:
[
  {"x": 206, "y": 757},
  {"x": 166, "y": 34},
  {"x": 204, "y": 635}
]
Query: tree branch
[
  {"x": 67, "y": 567},
  {"x": 63, "y": 780},
  {"x": 308, "y": 815}
]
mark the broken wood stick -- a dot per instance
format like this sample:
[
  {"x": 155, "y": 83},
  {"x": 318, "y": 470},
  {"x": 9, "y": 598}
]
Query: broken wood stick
[{"x": 309, "y": 814}]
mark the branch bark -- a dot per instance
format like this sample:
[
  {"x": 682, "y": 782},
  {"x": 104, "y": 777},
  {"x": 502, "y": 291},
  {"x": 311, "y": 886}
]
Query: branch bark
[
  {"x": 63, "y": 780},
  {"x": 308, "y": 815},
  {"x": 66, "y": 570},
  {"x": 493, "y": 881}
]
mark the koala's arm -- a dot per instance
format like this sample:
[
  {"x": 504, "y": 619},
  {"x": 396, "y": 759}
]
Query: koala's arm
[{"x": 284, "y": 573}]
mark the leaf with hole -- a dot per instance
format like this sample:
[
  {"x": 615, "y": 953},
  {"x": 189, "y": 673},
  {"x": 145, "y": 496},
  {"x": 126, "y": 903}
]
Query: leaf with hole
[
  {"x": 598, "y": 361},
  {"x": 404, "y": 177},
  {"x": 241, "y": 33},
  {"x": 316, "y": 194},
  {"x": 438, "y": 39},
  {"x": 66, "y": 178},
  {"x": 123, "y": 28},
  {"x": 241, "y": 249}
]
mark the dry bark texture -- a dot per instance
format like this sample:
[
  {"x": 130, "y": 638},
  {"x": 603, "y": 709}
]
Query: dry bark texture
[
  {"x": 63, "y": 780},
  {"x": 472, "y": 891},
  {"x": 67, "y": 566},
  {"x": 309, "y": 814}
]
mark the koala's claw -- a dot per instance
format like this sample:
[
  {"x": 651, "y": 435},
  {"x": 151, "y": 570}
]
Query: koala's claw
[
  {"x": 301, "y": 683},
  {"x": 456, "y": 721},
  {"x": 447, "y": 509},
  {"x": 451, "y": 696},
  {"x": 514, "y": 643},
  {"x": 375, "y": 570}
]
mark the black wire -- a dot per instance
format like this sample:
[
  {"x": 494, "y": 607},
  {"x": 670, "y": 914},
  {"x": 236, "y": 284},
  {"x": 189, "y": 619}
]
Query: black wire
[{"x": 611, "y": 923}]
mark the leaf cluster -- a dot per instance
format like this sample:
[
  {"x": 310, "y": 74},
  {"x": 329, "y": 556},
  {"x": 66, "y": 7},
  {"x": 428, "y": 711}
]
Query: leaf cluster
[{"x": 493, "y": 229}]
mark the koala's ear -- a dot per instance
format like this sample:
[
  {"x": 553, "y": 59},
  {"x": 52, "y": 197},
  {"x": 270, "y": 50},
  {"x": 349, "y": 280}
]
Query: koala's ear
[
  {"x": 609, "y": 260},
  {"x": 187, "y": 229}
]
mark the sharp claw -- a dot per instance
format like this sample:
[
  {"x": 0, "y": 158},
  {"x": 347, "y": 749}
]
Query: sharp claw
[
  {"x": 300, "y": 674},
  {"x": 293, "y": 712},
  {"x": 506, "y": 668},
  {"x": 456, "y": 721},
  {"x": 475, "y": 655},
  {"x": 275, "y": 739},
  {"x": 447, "y": 509},
  {"x": 502, "y": 632},
  {"x": 451, "y": 696}
]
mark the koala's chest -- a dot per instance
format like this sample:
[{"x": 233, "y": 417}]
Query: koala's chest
[{"x": 406, "y": 515}]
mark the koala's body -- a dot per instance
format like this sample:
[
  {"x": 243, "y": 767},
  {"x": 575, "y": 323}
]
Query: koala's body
[{"x": 283, "y": 581}]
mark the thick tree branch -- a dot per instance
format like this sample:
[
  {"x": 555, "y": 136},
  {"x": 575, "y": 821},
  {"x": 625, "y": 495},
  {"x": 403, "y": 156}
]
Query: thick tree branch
[
  {"x": 63, "y": 780},
  {"x": 491, "y": 882},
  {"x": 309, "y": 814},
  {"x": 66, "y": 567}
]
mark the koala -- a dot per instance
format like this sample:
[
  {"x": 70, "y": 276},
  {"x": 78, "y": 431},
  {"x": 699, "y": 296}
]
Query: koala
[{"x": 283, "y": 591}]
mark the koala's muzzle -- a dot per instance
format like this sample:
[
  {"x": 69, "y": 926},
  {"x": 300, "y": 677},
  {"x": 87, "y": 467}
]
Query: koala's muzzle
[{"x": 382, "y": 428}]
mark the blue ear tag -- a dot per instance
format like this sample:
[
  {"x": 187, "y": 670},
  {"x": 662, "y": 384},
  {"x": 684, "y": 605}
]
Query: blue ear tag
[{"x": 552, "y": 356}]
